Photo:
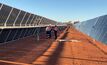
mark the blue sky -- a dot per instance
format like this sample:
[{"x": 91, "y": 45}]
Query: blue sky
[{"x": 62, "y": 10}]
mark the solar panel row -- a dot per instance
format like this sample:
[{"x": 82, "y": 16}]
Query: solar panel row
[
  {"x": 7, "y": 35},
  {"x": 95, "y": 28},
  {"x": 10, "y": 16},
  {"x": 13, "y": 34}
]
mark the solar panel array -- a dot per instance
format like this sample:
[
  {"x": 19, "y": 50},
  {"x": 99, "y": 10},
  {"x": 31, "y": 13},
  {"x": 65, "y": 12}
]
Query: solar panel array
[
  {"x": 16, "y": 24},
  {"x": 10, "y": 16},
  {"x": 96, "y": 28}
]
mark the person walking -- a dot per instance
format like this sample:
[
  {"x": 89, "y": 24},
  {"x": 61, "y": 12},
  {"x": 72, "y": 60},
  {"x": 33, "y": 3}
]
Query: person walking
[
  {"x": 55, "y": 29},
  {"x": 48, "y": 31}
]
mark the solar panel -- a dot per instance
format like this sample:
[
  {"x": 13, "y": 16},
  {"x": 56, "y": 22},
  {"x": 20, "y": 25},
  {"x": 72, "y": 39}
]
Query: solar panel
[
  {"x": 11, "y": 35},
  {"x": 96, "y": 28},
  {"x": 17, "y": 34},
  {"x": 25, "y": 19},
  {"x": 4, "y": 12},
  {"x": 22, "y": 33},
  {"x": 26, "y": 31},
  {"x": 4, "y": 35},
  {"x": 12, "y": 17},
  {"x": 29, "y": 21},
  {"x": 34, "y": 19},
  {"x": 19, "y": 19}
]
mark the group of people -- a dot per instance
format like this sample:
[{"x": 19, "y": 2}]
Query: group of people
[{"x": 50, "y": 29}]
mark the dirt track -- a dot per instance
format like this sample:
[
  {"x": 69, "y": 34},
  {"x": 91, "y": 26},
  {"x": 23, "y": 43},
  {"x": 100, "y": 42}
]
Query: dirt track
[{"x": 74, "y": 49}]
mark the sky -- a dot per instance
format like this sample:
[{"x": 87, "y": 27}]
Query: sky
[{"x": 62, "y": 10}]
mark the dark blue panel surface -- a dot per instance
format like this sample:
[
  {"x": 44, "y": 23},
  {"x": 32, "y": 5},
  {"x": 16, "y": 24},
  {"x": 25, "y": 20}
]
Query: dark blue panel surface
[
  {"x": 4, "y": 35},
  {"x": 12, "y": 17},
  {"x": 25, "y": 19},
  {"x": 4, "y": 12},
  {"x": 19, "y": 19}
]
